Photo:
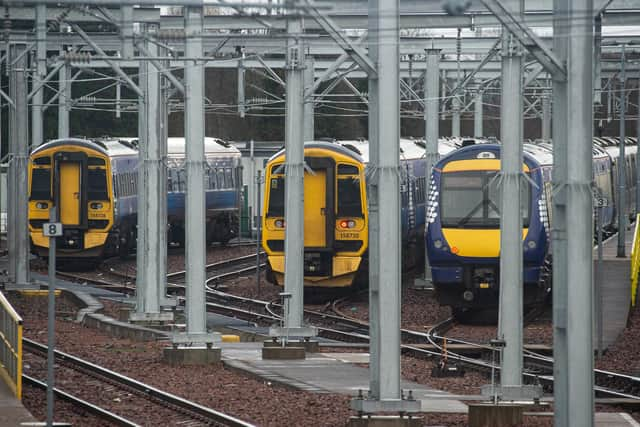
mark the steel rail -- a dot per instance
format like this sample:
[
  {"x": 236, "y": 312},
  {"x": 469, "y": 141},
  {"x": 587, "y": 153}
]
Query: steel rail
[
  {"x": 146, "y": 389},
  {"x": 102, "y": 413}
]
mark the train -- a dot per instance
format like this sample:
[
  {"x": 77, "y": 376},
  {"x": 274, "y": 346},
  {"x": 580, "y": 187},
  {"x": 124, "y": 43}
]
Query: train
[
  {"x": 336, "y": 212},
  {"x": 94, "y": 184},
  {"x": 462, "y": 236}
]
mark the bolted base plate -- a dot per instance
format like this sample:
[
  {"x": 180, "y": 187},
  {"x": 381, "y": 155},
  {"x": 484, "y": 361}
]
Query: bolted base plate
[
  {"x": 188, "y": 338},
  {"x": 299, "y": 332},
  {"x": 163, "y": 316},
  {"x": 387, "y": 405},
  {"x": 191, "y": 355},
  {"x": 309, "y": 346},
  {"x": 289, "y": 352},
  {"x": 524, "y": 392}
]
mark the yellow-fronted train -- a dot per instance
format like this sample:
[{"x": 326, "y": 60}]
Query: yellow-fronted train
[{"x": 94, "y": 184}]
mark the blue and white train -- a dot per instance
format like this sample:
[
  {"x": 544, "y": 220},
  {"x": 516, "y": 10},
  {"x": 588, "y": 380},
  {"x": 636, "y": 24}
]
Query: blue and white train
[{"x": 463, "y": 231}]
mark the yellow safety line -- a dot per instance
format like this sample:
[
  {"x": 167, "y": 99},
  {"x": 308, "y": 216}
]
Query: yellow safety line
[{"x": 19, "y": 365}]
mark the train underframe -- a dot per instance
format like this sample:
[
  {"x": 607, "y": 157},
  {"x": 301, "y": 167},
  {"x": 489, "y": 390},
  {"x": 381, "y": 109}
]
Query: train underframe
[{"x": 474, "y": 288}]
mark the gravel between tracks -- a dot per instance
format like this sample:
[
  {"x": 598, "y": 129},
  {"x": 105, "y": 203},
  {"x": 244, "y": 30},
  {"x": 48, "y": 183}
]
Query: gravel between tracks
[
  {"x": 213, "y": 386},
  {"x": 226, "y": 391}
]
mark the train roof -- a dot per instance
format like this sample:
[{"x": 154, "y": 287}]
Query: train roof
[
  {"x": 176, "y": 147},
  {"x": 108, "y": 147},
  {"x": 410, "y": 149}
]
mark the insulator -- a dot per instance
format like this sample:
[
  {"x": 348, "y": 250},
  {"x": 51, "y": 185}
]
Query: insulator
[
  {"x": 81, "y": 57},
  {"x": 171, "y": 34}
]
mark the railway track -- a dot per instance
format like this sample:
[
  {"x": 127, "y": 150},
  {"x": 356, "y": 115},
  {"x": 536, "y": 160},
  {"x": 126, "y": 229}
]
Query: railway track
[
  {"x": 538, "y": 367},
  {"x": 108, "y": 386}
]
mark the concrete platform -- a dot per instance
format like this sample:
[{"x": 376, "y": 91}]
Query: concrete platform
[
  {"x": 12, "y": 412},
  {"x": 616, "y": 289}
]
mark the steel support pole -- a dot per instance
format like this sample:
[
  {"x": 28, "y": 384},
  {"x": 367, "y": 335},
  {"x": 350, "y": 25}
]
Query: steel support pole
[
  {"x": 385, "y": 168},
  {"x": 455, "y": 118},
  {"x": 559, "y": 218},
  {"x": 432, "y": 132},
  {"x": 165, "y": 89},
  {"x": 597, "y": 63},
  {"x": 294, "y": 164},
  {"x": 546, "y": 117},
  {"x": 373, "y": 191},
  {"x": 638, "y": 148},
  {"x": 17, "y": 228},
  {"x": 152, "y": 226},
  {"x": 126, "y": 31},
  {"x": 510, "y": 314},
  {"x": 37, "y": 136},
  {"x": 309, "y": 113},
  {"x": 241, "y": 96},
  {"x": 622, "y": 172},
  {"x": 196, "y": 250},
  {"x": 580, "y": 204},
  {"x": 64, "y": 99},
  {"x": 477, "y": 115}
]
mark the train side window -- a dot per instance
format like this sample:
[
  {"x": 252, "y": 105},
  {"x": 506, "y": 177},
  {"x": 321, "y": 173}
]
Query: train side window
[
  {"x": 349, "y": 197},
  {"x": 229, "y": 177},
  {"x": 276, "y": 196},
  {"x": 40, "y": 184},
  {"x": 97, "y": 184},
  {"x": 220, "y": 177}
]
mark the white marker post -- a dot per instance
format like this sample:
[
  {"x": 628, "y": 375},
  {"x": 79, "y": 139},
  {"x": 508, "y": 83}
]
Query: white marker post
[{"x": 51, "y": 230}]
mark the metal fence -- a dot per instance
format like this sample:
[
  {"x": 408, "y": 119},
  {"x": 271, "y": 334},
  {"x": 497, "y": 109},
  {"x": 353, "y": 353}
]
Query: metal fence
[
  {"x": 10, "y": 347},
  {"x": 635, "y": 262}
]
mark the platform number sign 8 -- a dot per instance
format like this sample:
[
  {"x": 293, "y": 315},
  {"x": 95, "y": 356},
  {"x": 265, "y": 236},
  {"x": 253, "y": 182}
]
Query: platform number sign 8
[{"x": 52, "y": 229}]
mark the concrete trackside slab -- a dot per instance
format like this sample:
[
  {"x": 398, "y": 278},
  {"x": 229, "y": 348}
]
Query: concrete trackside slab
[{"x": 327, "y": 373}]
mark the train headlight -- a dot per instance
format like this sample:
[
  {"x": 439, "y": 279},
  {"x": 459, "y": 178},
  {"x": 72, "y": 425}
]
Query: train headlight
[
  {"x": 42, "y": 205},
  {"x": 96, "y": 205},
  {"x": 437, "y": 244},
  {"x": 280, "y": 223},
  {"x": 531, "y": 244}
]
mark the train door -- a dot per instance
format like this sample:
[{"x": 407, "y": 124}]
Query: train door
[
  {"x": 315, "y": 209},
  {"x": 70, "y": 196},
  {"x": 71, "y": 171},
  {"x": 319, "y": 203}
]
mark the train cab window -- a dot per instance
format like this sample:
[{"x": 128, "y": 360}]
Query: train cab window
[
  {"x": 347, "y": 170},
  {"x": 472, "y": 199},
  {"x": 97, "y": 184},
  {"x": 95, "y": 161},
  {"x": 40, "y": 184},
  {"x": 276, "y": 196},
  {"x": 349, "y": 198},
  {"x": 42, "y": 161}
]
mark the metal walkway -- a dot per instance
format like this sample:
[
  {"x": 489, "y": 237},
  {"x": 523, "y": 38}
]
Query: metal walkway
[{"x": 615, "y": 287}]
